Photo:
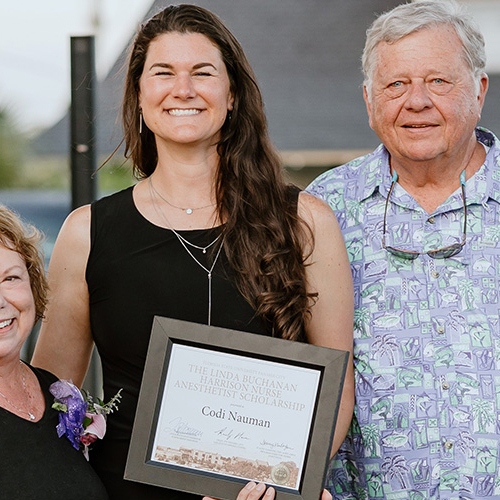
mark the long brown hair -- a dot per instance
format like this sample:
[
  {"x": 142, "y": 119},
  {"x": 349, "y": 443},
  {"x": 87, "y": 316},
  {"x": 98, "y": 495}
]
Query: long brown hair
[{"x": 264, "y": 237}]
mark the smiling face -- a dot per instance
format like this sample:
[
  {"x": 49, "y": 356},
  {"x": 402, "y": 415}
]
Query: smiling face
[
  {"x": 184, "y": 90},
  {"x": 424, "y": 103},
  {"x": 17, "y": 306}
]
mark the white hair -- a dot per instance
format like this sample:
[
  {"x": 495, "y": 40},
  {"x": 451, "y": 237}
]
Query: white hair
[{"x": 411, "y": 17}]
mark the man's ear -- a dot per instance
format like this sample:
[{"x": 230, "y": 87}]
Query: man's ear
[
  {"x": 481, "y": 95},
  {"x": 368, "y": 105}
]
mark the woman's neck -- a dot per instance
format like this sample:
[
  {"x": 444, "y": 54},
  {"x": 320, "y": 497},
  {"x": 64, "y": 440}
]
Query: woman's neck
[
  {"x": 186, "y": 175},
  {"x": 10, "y": 372},
  {"x": 180, "y": 193}
]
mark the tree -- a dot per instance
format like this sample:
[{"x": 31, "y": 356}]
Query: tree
[
  {"x": 10, "y": 149},
  {"x": 371, "y": 440},
  {"x": 483, "y": 413},
  {"x": 385, "y": 345},
  {"x": 395, "y": 468},
  {"x": 361, "y": 321}
]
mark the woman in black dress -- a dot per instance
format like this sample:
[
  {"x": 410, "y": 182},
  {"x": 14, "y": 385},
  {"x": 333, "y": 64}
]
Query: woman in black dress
[
  {"x": 34, "y": 462},
  {"x": 211, "y": 233}
]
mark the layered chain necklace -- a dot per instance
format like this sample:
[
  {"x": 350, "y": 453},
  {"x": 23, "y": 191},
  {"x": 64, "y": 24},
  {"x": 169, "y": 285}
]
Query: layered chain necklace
[
  {"x": 186, "y": 244},
  {"x": 189, "y": 211},
  {"x": 23, "y": 378}
]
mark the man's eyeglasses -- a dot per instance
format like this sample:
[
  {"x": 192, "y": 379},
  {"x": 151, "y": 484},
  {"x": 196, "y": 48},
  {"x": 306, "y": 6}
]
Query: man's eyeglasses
[{"x": 440, "y": 253}]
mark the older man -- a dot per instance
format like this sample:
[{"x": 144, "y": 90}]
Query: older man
[{"x": 420, "y": 217}]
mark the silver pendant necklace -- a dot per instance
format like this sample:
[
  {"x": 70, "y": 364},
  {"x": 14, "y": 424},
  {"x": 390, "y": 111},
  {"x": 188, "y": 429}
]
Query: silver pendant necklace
[
  {"x": 184, "y": 242},
  {"x": 152, "y": 190},
  {"x": 189, "y": 211},
  {"x": 30, "y": 415}
]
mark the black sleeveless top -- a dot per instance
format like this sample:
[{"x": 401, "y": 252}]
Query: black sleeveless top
[
  {"x": 36, "y": 464},
  {"x": 137, "y": 270}
]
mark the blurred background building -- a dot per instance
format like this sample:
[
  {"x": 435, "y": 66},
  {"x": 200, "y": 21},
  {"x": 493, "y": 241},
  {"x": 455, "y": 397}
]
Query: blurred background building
[{"x": 306, "y": 55}]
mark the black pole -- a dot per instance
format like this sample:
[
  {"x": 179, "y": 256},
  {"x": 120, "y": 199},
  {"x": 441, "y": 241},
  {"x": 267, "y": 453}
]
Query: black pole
[
  {"x": 83, "y": 152},
  {"x": 83, "y": 126}
]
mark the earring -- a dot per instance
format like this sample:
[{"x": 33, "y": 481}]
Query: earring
[{"x": 140, "y": 121}]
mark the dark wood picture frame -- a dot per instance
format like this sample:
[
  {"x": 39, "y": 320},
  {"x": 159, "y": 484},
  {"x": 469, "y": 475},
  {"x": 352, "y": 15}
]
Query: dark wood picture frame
[{"x": 166, "y": 332}]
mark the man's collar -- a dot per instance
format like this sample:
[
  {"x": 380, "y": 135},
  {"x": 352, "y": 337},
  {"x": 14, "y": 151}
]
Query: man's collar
[
  {"x": 485, "y": 183},
  {"x": 374, "y": 172}
]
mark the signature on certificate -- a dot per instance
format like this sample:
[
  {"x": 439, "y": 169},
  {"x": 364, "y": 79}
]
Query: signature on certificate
[
  {"x": 230, "y": 435},
  {"x": 182, "y": 428},
  {"x": 276, "y": 445}
]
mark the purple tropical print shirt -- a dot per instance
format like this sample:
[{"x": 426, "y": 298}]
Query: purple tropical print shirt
[{"x": 426, "y": 336}]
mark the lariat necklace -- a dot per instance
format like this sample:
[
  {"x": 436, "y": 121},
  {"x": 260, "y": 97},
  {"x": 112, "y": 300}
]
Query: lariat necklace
[
  {"x": 30, "y": 415},
  {"x": 184, "y": 242},
  {"x": 189, "y": 211}
]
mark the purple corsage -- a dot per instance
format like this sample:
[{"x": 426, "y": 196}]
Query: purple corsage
[{"x": 81, "y": 419}]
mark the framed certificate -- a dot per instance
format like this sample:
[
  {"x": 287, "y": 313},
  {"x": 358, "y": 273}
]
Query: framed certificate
[{"x": 219, "y": 408}]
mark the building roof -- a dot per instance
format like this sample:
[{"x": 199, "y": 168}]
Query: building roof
[{"x": 306, "y": 55}]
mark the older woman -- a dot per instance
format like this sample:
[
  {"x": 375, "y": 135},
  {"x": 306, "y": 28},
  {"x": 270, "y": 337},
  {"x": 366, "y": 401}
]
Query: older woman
[
  {"x": 35, "y": 463},
  {"x": 211, "y": 234}
]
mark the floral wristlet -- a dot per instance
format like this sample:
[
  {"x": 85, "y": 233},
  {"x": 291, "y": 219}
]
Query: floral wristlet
[{"x": 81, "y": 419}]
